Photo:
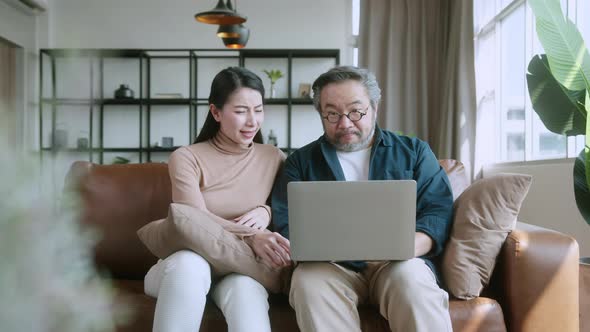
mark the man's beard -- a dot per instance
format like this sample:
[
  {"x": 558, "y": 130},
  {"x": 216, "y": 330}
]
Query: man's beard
[{"x": 351, "y": 147}]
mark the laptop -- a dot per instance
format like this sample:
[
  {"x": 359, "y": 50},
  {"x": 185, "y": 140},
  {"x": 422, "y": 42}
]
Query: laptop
[{"x": 352, "y": 220}]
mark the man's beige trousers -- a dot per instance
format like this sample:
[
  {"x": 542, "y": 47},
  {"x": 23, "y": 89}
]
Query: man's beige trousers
[{"x": 325, "y": 296}]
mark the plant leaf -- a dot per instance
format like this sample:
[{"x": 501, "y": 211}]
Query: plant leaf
[
  {"x": 273, "y": 74},
  {"x": 580, "y": 184},
  {"x": 568, "y": 56},
  {"x": 560, "y": 109}
]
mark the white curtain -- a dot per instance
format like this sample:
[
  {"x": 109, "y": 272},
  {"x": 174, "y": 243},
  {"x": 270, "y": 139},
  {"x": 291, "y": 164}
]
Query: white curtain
[{"x": 422, "y": 54}]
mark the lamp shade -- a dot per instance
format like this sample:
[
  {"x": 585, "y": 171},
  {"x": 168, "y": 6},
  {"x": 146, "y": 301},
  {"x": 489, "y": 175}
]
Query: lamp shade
[
  {"x": 238, "y": 42},
  {"x": 229, "y": 31},
  {"x": 221, "y": 14}
]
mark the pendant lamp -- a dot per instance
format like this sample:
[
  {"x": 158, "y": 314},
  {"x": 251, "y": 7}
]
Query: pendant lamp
[
  {"x": 221, "y": 15},
  {"x": 229, "y": 31},
  {"x": 237, "y": 42}
]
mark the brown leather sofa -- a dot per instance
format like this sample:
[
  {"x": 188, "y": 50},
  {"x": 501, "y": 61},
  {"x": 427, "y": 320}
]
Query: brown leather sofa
[{"x": 534, "y": 286}]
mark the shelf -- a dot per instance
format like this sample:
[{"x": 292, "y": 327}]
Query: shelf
[
  {"x": 152, "y": 101},
  {"x": 285, "y": 101},
  {"x": 302, "y": 101},
  {"x": 89, "y": 52},
  {"x": 180, "y": 77},
  {"x": 136, "y": 53},
  {"x": 69, "y": 101},
  {"x": 170, "y": 101},
  {"x": 163, "y": 101},
  {"x": 69, "y": 149},
  {"x": 112, "y": 101},
  {"x": 93, "y": 149},
  {"x": 276, "y": 101},
  {"x": 121, "y": 101},
  {"x": 121, "y": 149},
  {"x": 162, "y": 149},
  {"x": 152, "y": 149},
  {"x": 299, "y": 53}
]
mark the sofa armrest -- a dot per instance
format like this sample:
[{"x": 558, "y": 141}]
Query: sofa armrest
[{"x": 538, "y": 272}]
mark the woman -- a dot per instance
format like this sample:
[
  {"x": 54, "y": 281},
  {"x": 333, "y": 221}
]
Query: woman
[{"x": 229, "y": 174}]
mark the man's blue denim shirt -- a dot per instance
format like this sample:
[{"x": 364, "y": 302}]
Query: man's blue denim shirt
[{"x": 393, "y": 157}]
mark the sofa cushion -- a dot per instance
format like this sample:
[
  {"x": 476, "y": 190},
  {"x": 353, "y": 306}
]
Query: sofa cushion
[
  {"x": 190, "y": 228},
  {"x": 484, "y": 215},
  {"x": 457, "y": 176}
]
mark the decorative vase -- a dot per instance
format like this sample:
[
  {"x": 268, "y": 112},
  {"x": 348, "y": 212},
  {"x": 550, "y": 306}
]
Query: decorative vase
[
  {"x": 60, "y": 139},
  {"x": 167, "y": 142},
  {"x": 82, "y": 143},
  {"x": 273, "y": 91},
  {"x": 124, "y": 92}
]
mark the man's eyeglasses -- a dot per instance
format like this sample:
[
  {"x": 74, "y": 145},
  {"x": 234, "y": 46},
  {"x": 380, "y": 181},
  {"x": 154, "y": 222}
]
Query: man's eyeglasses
[{"x": 354, "y": 116}]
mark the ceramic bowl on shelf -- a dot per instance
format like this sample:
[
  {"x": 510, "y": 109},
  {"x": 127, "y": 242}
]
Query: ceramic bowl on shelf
[{"x": 123, "y": 92}]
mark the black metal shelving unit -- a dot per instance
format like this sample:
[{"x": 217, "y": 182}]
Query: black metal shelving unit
[{"x": 144, "y": 101}]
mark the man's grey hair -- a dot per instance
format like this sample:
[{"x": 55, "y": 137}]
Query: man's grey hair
[{"x": 344, "y": 73}]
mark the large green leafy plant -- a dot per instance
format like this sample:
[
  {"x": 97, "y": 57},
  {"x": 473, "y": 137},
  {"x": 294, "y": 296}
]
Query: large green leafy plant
[{"x": 559, "y": 87}]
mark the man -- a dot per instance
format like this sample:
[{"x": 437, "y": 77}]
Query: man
[{"x": 325, "y": 295}]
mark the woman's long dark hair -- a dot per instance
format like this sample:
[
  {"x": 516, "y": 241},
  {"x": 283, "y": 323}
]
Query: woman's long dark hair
[{"x": 224, "y": 84}]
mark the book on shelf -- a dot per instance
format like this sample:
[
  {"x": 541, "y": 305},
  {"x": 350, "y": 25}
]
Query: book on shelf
[{"x": 168, "y": 95}]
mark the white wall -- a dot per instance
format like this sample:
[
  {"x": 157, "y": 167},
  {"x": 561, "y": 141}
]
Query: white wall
[
  {"x": 171, "y": 24},
  {"x": 17, "y": 26},
  {"x": 550, "y": 202}
]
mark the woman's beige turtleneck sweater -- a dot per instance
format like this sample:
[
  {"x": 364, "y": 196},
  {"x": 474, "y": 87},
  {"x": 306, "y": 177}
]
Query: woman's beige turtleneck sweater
[{"x": 224, "y": 178}]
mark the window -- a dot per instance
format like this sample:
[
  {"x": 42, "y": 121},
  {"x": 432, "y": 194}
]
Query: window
[
  {"x": 515, "y": 114},
  {"x": 505, "y": 41},
  {"x": 512, "y": 87},
  {"x": 514, "y": 145}
]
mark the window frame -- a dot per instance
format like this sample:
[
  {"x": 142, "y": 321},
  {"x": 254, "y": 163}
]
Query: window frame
[{"x": 493, "y": 24}]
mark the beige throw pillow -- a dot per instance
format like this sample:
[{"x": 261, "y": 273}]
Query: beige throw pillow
[
  {"x": 484, "y": 215},
  {"x": 187, "y": 227}
]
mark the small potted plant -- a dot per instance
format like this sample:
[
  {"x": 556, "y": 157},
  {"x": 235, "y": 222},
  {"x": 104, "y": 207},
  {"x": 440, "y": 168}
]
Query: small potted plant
[{"x": 273, "y": 75}]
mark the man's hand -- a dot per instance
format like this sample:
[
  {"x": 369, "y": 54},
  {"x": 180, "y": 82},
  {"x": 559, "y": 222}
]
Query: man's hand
[
  {"x": 257, "y": 218},
  {"x": 272, "y": 248},
  {"x": 422, "y": 244}
]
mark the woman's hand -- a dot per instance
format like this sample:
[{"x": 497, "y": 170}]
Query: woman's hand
[
  {"x": 257, "y": 218},
  {"x": 272, "y": 248}
]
